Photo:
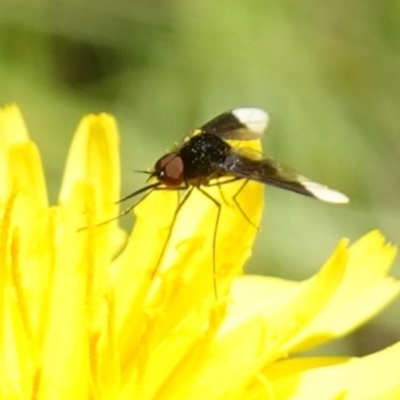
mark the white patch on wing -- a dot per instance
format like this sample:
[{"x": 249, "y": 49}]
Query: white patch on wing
[
  {"x": 255, "y": 119},
  {"x": 323, "y": 193}
]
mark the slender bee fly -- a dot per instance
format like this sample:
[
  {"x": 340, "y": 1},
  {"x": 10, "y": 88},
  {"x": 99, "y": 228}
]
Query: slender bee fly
[{"x": 206, "y": 155}]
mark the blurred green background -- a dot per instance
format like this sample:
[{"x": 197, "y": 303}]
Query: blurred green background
[{"x": 327, "y": 72}]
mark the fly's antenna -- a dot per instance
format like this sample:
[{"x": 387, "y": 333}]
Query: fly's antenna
[
  {"x": 150, "y": 173},
  {"x": 143, "y": 172}
]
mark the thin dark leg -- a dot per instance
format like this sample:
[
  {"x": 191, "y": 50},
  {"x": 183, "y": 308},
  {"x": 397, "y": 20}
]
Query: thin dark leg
[
  {"x": 214, "y": 239},
  {"x": 122, "y": 213},
  {"x": 141, "y": 190},
  {"x": 234, "y": 198},
  {"x": 178, "y": 208},
  {"x": 150, "y": 188},
  {"x": 222, "y": 195},
  {"x": 218, "y": 183}
]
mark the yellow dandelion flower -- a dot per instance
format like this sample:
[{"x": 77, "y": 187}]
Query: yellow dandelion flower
[{"x": 82, "y": 315}]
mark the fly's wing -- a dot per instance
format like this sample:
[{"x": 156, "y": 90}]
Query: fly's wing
[
  {"x": 237, "y": 124},
  {"x": 250, "y": 164}
]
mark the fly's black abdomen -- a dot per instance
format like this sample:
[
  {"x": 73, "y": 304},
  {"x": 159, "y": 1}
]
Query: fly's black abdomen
[{"x": 201, "y": 156}]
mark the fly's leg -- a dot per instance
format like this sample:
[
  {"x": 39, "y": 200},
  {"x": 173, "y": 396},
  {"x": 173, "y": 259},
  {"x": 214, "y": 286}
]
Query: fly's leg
[
  {"x": 214, "y": 240},
  {"x": 178, "y": 208},
  {"x": 234, "y": 198}
]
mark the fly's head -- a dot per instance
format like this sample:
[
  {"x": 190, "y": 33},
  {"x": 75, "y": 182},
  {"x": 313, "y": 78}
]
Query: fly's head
[{"x": 169, "y": 170}]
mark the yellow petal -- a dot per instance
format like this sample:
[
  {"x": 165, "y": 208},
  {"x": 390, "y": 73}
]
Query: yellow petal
[
  {"x": 254, "y": 332},
  {"x": 53, "y": 278},
  {"x": 95, "y": 145},
  {"x": 79, "y": 330},
  {"x": 364, "y": 291},
  {"x": 24, "y": 213},
  {"x": 374, "y": 377},
  {"x": 161, "y": 320},
  {"x": 268, "y": 315}
]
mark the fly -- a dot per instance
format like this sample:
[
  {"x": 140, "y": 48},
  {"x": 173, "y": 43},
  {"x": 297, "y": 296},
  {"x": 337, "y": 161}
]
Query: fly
[{"x": 206, "y": 155}]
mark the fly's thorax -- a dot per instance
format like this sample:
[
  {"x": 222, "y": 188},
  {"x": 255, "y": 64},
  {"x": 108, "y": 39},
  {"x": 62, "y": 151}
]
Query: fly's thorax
[
  {"x": 169, "y": 169},
  {"x": 202, "y": 156}
]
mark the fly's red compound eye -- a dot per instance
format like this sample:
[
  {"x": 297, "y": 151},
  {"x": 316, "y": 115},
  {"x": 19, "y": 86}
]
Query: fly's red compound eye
[{"x": 169, "y": 170}]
